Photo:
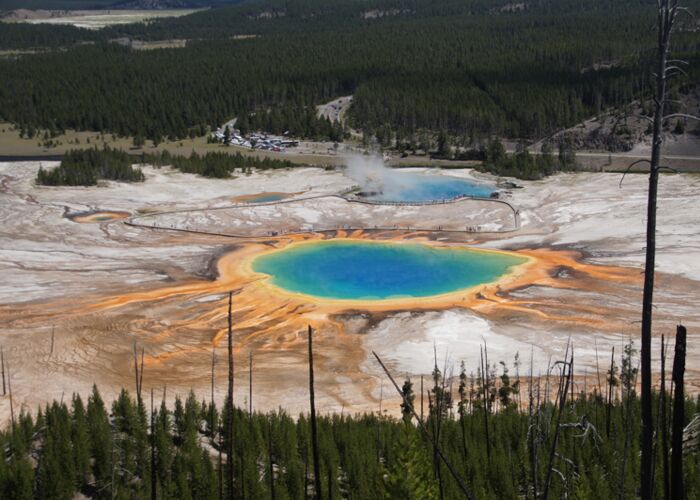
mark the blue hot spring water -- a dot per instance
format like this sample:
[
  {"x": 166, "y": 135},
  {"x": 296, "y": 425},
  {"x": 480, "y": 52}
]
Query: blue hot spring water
[
  {"x": 267, "y": 198},
  {"x": 408, "y": 187},
  {"x": 360, "y": 270}
]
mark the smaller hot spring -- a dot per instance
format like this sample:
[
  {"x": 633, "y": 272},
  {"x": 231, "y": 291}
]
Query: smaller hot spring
[
  {"x": 380, "y": 183},
  {"x": 262, "y": 197},
  {"x": 97, "y": 216},
  {"x": 409, "y": 187},
  {"x": 366, "y": 270}
]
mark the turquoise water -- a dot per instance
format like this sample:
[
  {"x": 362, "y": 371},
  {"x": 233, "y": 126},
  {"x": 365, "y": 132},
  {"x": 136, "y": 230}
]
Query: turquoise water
[
  {"x": 407, "y": 187},
  {"x": 267, "y": 198},
  {"x": 373, "y": 271}
]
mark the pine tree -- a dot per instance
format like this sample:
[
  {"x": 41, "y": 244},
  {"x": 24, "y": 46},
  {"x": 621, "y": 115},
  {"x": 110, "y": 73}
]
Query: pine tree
[
  {"x": 408, "y": 400},
  {"x": 409, "y": 475}
]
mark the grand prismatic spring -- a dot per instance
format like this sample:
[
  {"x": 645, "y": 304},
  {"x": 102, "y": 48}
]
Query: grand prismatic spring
[{"x": 362, "y": 270}]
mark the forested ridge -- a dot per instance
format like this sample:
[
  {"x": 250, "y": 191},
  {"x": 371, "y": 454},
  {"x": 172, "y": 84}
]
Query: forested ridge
[
  {"x": 466, "y": 67},
  {"x": 499, "y": 451}
]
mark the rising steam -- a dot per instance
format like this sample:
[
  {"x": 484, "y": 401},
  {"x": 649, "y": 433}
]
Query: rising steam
[{"x": 373, "y": 176}]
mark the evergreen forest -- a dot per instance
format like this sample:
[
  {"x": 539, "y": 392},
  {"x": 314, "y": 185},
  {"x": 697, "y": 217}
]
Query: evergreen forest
[
  {"x": 503, "y": 436},
  {"x": 470, "y": 68}
]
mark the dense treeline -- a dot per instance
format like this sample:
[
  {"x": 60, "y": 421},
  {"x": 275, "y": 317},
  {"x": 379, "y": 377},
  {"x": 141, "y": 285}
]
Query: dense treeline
[
  {"x": 85, "y": 167},
  {"x": 126, "y": 450},
  {"x": 214, "y": 164},
  {"x": 522, "y": 164},
  {"x": 43, "y": 36},
  {"x": 468, "y": 68}
]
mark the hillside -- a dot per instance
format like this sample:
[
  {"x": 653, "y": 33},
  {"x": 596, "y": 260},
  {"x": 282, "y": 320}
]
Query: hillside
[{"x": 471, "y": 69}]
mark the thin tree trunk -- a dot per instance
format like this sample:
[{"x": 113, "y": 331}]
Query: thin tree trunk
[
  {"x": 484, "y": 383},
  {"x": 2, "y": 360},
  {"x": 136, "y": 375},
  {"x": 532, "y": 428},
  {"x": 608, "y": 407},
  {"x": 314, "y": 432},
  {"x": 273, "y": 494},
  {"x": 154, "y": 483},
  {"x": 564, "y": 381},
  {"x": 306, "y": 474},
  {"x": 600, "y": 385},
  {"x": 664, "y": 424},
  {"x": 12, "y": 407},
  {"x": 677, "y": 488},
  {"x": 462, "y": 427},
  {"x": 664, "y": 26},
  {"x": 213, "y": 364},
  {"x": 573, "y": 382},
  {"x": 229, "y": 404},
  {"x": 628, "y": 407},
  {"x": 221, "y": 464},
  {"x": 250, "y": 386},
  {"x": 141, "y": 375},
  {"x": 421, "y": 395},
  {"x": 437, "y": 415}
]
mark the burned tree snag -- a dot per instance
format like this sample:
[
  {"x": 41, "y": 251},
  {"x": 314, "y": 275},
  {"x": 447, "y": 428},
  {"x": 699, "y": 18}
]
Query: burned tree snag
[
  {"x": 314, "y": 435},
  {"x": 229, "y": 404},
  {"x": 677, "y": 489}
]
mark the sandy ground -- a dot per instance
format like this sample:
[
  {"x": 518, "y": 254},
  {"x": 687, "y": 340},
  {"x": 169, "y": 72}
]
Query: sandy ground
[
  {"x": 91, "y": 19},
  {"x": 100, "y": 285},
  {"x": 336, "y": 109}
]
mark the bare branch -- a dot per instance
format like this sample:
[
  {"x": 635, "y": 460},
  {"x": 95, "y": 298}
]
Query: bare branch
[
  {"x": 680, "y": 115},
  {"x": 674, "y": 70},
  {"x": 686, "y": 10},
  {"x": 665, "y": 167},
  {"x": 630, "y": 168}
]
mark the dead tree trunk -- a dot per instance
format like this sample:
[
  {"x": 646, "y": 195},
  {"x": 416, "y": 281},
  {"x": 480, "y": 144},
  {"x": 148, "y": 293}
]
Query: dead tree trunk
[
  {"x": 53, "y": 331},
  {"x": 677, "y": 489},
  {"x": 532, "y": 429},
  {"x": 2, "y": 360},
  {"x": 229, "y": 403},
  {"x": 12, "y": 407},
  {"x": 154, "y": 483},
  {"x": 608, "y": 407},
  {"x": 421, "y": 395},
  {"x": 213, "y": 365},
  {"x": 221, "y": 464},
  {"x": 564, "y": 382},
  {"x": 666, "y": 17},
  {"x": 484, "y": 383},
  {"x": 314, "y": 431},
  {"x": 271, "y": 469},
  {"x": 250, "y": 386},
  {"x": 664, "y": 424},
  {"x": 138, "y": 375}
]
